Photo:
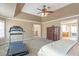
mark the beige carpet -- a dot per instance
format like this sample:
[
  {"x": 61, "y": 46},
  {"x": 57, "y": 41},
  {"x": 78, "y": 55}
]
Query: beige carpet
[{"x": 33, "y": 46}]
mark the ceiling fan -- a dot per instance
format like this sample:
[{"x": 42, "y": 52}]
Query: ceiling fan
[{"x": 44, "y": 10}]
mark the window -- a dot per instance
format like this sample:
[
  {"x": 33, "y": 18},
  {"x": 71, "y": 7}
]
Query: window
[
  {"x": 69, "y": 30},
  {"x": 2, "y": 29},
  {"x": 64, "y": 28},
  {"x": 74, "y": 30}
]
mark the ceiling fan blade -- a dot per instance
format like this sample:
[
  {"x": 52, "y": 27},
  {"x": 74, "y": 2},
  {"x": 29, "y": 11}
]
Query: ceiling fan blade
[
  {"x": 48, "y": 7},
  {"x": 39, "y": 9},
  {"x": 50, "y": 11}
]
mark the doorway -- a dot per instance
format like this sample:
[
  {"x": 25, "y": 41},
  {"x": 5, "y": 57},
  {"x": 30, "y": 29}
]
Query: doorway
[{"x": 37, "y": 30}]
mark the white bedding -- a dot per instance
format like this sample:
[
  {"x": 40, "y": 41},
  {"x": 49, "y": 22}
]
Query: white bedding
[{"x": 57, "y": 48}]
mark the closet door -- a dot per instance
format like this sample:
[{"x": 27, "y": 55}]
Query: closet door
[
  {"x": 53, "y": 33},
  {"x": 56, "y": 33},
  {"x": 49, "y": 33}
]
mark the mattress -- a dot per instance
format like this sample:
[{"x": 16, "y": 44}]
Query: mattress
[{"x": 17, "y": 49}]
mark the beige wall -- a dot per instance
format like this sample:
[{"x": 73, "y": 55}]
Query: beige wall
[
  {"x": 27, "y": 26},
  {"x": 56, "y": 23}
]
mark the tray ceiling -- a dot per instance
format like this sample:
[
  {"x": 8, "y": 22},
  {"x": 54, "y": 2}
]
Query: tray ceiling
[{"x": 31, "y": 8}]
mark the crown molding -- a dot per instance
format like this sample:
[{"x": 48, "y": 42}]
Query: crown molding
[
  {"x": 24, "y": 20},
  {"x": 10, "y": 18}
]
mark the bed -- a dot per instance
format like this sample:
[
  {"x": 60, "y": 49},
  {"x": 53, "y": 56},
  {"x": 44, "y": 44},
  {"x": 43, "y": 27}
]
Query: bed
[
  {"x": 60, "y": 48},
  {"x": 17, "y": 49}
]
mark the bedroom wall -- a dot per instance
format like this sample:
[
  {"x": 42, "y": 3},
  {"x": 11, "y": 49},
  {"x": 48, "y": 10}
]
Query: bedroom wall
[
  {"x": 27, "y": 26},
  {"x": 55, "y": 22}
]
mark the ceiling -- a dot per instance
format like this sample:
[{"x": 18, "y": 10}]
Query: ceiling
[
  {"x": 31, "y": 8},
  {"x": 7, "y": 9},
  {"x": 12, "y": 9},
  {"x": 27, "y": 10}
]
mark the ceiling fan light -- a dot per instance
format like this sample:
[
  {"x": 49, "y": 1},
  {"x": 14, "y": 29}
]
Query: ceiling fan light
[{"x": 44, "y": 14}]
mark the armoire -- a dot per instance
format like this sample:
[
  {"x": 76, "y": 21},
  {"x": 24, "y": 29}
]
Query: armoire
[{"x": 53, "y": 33}]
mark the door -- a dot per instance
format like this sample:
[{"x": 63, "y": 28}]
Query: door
[{"x": 49, "y": 33}]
